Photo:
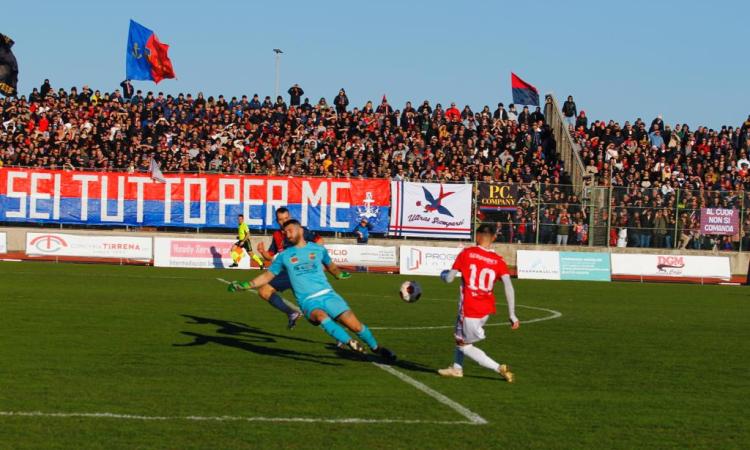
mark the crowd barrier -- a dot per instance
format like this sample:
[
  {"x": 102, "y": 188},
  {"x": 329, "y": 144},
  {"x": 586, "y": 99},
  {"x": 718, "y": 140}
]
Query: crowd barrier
[{"x": 214, "y": 253}]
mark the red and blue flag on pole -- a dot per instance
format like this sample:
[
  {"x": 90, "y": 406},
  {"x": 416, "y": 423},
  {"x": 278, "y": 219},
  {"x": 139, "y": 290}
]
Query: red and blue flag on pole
[
  {"x": 146, "y": 58},
  {"x": 523, "y": 92}
]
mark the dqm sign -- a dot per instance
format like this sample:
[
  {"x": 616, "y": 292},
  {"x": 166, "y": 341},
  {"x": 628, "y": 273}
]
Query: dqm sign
[
  {"x": 426, "y": 260},
  {"x": 542, "y": 265},
  {"x": 193, "y": 201}
]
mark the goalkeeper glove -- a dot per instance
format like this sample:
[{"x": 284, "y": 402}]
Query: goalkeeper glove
[
  {"x": 448, "y": 275},
  {"x": 235, "y": 286},
  {"x": 343, "y": 276}
]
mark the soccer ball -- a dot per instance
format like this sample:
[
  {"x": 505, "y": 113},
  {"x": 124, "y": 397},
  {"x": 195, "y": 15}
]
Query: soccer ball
[{"x": 410, "y": 291}]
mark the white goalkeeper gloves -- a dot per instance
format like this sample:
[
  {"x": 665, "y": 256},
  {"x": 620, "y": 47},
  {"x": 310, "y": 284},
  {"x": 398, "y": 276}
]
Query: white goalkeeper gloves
[{"x": 448, "y": 275}]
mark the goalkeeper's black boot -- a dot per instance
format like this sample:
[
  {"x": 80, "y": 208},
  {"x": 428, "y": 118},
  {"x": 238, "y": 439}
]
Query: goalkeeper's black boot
[{"x": 386, "y": 354}]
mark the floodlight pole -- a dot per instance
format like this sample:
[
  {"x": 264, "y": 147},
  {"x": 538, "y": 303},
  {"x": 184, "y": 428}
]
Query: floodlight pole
[{"x": 278, "y": 68}]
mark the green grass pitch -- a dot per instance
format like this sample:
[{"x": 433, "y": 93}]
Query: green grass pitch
[{"x": 168, "y": 351}]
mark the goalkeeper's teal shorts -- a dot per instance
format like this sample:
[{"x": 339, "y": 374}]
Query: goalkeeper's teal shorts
[{"x": 329, "y": 302}]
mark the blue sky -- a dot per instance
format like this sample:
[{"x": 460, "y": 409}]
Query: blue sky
[{"x": 683, "y": 59}]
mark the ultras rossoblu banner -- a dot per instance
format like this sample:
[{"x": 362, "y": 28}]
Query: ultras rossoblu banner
[
  {"x": 194, "y": 201},
  {"x": 431, "y": 210}
]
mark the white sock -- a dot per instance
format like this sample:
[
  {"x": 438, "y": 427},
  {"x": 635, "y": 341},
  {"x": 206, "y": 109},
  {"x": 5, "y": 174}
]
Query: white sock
[
  {"x": 458, "y": 359},
  {"x": 480, "y": 357}
]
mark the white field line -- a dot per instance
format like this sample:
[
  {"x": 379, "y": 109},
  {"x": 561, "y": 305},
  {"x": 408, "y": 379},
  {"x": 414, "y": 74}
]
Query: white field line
[
  {"x": 474, "y": 418},
  {"x": 107, "y": 415},
  {"x": 553, "y": 315}
]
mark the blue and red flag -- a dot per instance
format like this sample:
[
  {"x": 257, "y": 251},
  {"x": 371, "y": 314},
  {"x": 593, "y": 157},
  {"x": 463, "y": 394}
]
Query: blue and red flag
[
  {"x": 523, "y": 92},
  {"x": 146, "y": 58}
]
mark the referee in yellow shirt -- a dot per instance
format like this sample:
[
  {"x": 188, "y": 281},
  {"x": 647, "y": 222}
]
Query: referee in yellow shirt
[{"x": 243, "y": 238}]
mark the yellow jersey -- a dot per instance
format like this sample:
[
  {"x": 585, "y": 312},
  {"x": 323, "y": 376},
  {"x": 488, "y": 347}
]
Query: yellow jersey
[{"x": 242, "y": 231}]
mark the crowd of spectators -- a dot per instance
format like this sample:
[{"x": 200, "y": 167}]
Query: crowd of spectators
[
  {"x": 659, "y": 176},
  {"x": 652, "y": 180},
  {"x": 662, "y": 176},
  {"x": 122, "y": 130}
]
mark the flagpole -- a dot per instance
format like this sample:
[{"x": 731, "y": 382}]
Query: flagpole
[{"x": 278, "y": 69}]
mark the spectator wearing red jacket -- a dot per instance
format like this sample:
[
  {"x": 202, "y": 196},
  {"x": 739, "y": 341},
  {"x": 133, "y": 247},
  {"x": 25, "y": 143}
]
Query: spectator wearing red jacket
[{"x": 453, "y": 114}]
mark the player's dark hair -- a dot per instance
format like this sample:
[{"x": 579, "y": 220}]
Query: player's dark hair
[
  {"x": 291, "y": 222},
  {"x": 282, "y": 210},
  {"x": 486, "y": 228},
  {"x": 241, "y": 215}
]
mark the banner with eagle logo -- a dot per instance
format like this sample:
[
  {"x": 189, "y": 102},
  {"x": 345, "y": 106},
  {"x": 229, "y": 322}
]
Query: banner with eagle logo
[{"x": 431, "y": 210}]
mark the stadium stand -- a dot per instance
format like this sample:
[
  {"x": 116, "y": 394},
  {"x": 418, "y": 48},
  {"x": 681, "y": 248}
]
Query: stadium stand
[{"x": 643, "y": 183}]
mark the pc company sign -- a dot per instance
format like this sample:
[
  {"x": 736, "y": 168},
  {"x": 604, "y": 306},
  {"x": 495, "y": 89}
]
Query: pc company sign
[
  {"x": 102, "y": 246},
  {"x": 671, "y": 266},
  {"x": 426, "y": 260}
]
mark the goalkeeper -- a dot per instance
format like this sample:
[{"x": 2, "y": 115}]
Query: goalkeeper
[
  {"x": 271, "y": 291},
  {"x": 243, "y": 235},
  {"x": 304, "y": 263}
]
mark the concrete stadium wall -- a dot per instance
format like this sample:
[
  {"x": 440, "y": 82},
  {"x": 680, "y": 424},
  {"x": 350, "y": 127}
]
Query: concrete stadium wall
[{"x": 739, "y": 261}]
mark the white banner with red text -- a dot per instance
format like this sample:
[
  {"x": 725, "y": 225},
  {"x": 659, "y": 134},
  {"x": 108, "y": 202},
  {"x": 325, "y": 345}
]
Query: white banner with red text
[
  {"x": 88, "y": 246},
  {"x": 3, "y": 243},
  {"x": 197, "y": 253},
  {"x": 426, "y": 260},
  {"x": 670, "y": 266}
]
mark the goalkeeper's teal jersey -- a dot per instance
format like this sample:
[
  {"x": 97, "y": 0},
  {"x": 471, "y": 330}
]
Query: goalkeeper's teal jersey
[{"x": 305, "y": 268}]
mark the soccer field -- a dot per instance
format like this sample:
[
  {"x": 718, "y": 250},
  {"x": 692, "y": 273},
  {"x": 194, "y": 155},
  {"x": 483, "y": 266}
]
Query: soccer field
[{"x": 140, "y": 357}]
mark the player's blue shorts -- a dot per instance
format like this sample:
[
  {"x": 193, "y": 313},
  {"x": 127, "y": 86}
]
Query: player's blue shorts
[
  {"x": 281, "y": 282},
  {"x": 331, "y": 302}
]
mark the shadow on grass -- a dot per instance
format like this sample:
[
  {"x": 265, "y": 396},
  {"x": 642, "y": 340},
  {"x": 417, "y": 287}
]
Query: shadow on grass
[
  {"x": 399, "y": 363},
  {"x": 239, "y": 328},
  {"x": 247, "y": 338}
]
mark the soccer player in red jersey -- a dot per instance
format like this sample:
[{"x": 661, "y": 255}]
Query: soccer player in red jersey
[{"x": 480, "y": 267}]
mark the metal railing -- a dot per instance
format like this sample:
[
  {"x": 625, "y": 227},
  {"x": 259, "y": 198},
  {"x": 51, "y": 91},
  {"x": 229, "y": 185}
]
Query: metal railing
[
  {"x": 567, "y": 149},
  {"x": 630, "y": 217}
]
